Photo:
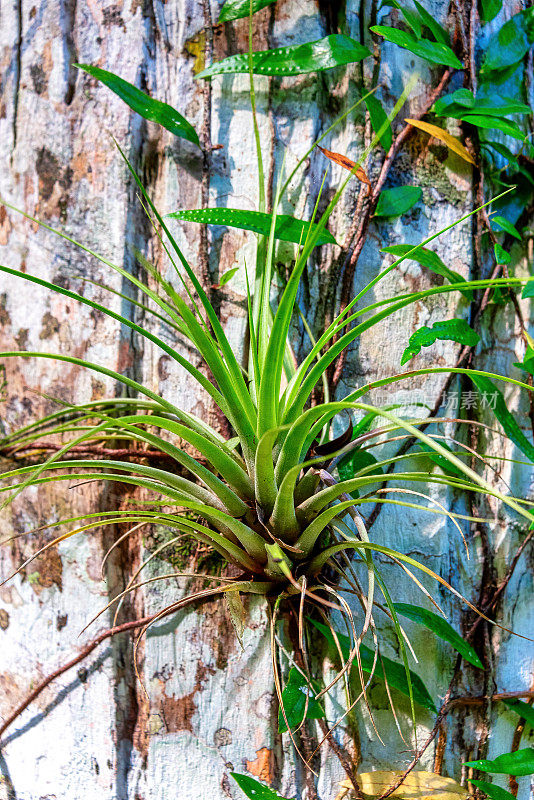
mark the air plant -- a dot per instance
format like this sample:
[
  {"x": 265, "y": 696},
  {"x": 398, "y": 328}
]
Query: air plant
[{"x": 271, "y": 499}]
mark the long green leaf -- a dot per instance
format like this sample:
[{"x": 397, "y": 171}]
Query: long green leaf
[
  {"x": 190, "y": 420},
  {"x": 298, "y": 700},
  {"x": 392, "y": 671},
  {"x": 493, "y": 791},
  {"x": 300, "y": 393},
  {"x": 243, "y": 423},
  {"x": 488, "y": 122},
  {"x": 287, "y": 228},
  {"x": 439, "y": 33},
  {"x": 494, "y": 399},
  {"x": 435, "y": 52},
  {"x": 195, "y": 373},
  {"x": 269, "y": 408},
  {"x": 523, "y": 709},
  {"x": 141, "y": 103},
  {"x": 333, "y": 51},
  {"x": 450, "y": 330},
  {"x": 379, "y": 121},
  {"x": 429, "y": 259},
  {"x": 441, "y": 628},
  {"x": 237, "y": 9},
  {"x": 252, "y": 542},
  {"x": 521, "y": 762},
  {"x": 254, "y": 789},
  {"x": 505, "y": 225}
]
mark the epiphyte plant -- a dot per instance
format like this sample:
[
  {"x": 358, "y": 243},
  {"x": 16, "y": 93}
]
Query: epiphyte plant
[{"x": 281, "y": 499}]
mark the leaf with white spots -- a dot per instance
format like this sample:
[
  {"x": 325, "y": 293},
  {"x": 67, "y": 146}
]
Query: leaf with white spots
[
  {"x": 335, "y": 50},
  {"x": 254, "y": 789},
  {"x": 287, "y": 228}
]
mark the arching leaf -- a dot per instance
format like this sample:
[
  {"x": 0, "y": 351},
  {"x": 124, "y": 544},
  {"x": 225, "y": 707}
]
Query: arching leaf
[
  {"x": 147, "y": 107},
  {"x": 435, "y": 52},
  {"x": 453, "y": 330},
  {"x": 332, "y": 51},
  {"x": 441, "y": 628},
  {"x": 452, "y": 142},
  {"x": 521, "y": 762},
  {"x": 236, "y": 9},
  {"x": 287, "y": 228},
  {"x": 489, "y": 122}
]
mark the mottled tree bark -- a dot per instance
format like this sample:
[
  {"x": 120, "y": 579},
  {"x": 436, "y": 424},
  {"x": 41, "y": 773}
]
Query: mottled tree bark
[{"x": 211, "y": 707}]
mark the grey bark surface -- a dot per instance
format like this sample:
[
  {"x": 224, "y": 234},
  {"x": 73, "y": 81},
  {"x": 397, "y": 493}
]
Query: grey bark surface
[{"x": 211, "y": 706}]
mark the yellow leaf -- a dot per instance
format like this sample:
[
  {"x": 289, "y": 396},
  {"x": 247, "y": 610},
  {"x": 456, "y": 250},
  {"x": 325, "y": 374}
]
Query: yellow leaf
[
  {"x": 196, "y": 46},
  {"x": 417, "y": 785},
  {"x": 451, "y": 141}
]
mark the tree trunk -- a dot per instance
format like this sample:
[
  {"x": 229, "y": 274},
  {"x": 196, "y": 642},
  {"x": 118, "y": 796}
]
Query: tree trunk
[{"x": 212, "y": 707}]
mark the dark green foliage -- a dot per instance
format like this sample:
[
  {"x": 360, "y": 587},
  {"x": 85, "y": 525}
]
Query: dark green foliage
[
  {"x": 523, "y": 709},
  {"x": 288, "y": 229},
  {"x": 236, "y": 9},
  {"x": 147, "y": 107},
  {"x": 379, "y": 118},
  {"x": 493, "y": 791},
  {"x": 503, "y": 224},
  {"x": 452, "y": 330},
  {"x": 435, "y": 52},
  {"x": 489, "y": 9},
  {"x": 298, "y": 700},
  {"x": 332, "y": 51},
  {"x": 441, "y": 628},
  {"x": 355, "y": 461},
  {"x": 397, "y": 201},
  {"x": 384, "y": 668},
  {"x": 254, "y": 789},
  {"x": 521, "y": 762}
]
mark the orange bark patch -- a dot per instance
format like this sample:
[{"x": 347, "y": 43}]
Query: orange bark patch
[
  {"x": 262, "y": 766},
  {"x": 5, "y": 226},
  {"x": 45, "y": 571}
]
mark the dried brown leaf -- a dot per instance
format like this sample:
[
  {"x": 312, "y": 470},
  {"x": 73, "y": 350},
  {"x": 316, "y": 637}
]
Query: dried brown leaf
[{"x": 347, "y": 163}]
